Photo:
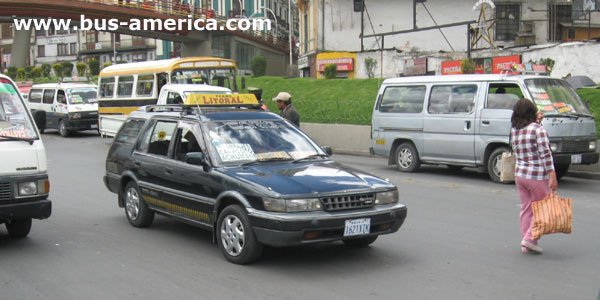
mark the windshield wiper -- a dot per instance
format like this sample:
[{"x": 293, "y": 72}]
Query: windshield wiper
[
  {"x": 560, "y": 116},
  {"x": 14, "y": 138},
  {"x": 582, "y": 115},
  {"x": 265, "y": 160},
  {"x": 311, "y": 157}
]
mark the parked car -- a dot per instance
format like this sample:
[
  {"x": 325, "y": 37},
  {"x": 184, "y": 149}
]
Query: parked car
[
  {"x": 249, "y": 176},
  {"x": 464, "y": 121},
  {"x": 24, "y": 184},
  {"x": 67, "y": 107}
]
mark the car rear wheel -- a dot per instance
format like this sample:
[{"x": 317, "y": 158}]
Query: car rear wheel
[
  {"x": 235, "y": 236},
  {"x": 18, "y": 228},
  {"x": 494, "y": 164},
  {"x": 407, "y": 158},
  {"x": 136, "y": 209},
  {"x": 360, "y": 242}
]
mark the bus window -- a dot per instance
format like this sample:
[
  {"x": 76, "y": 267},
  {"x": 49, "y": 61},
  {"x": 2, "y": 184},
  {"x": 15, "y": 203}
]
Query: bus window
[
  {"x": 107, "y": 87},
  {"x": 125, "y": 88},
  {"x": 145, "y": 85}
]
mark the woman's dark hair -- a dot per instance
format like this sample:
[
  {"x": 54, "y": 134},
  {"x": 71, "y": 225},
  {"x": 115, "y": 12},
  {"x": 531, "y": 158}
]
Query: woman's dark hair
[{"x": 524, "y": 113}]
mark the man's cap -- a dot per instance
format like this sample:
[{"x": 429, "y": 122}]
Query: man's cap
[{"x": 283, "y": 96}]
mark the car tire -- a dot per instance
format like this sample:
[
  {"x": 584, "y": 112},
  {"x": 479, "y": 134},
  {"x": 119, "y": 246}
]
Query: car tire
[
  {"x": 407, "y": 158},
  {"x": 235, "y": 236},
  {"x": 62, "y": 129},
  {"x": 361, "y": 242},
  {"x": 18, "y": 228},
  {"x": 561, "y": 171},
  {"x": 136, "y": 209},
  {"x": 493, "y": 163}
]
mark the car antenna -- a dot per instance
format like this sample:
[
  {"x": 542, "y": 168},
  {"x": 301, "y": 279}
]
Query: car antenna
[{"x": 199, "y": 110}]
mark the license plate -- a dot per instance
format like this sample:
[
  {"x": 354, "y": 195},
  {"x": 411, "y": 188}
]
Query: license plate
[
  {"x": 357, "y": 227},
  {"x": 576, "y": 159}
]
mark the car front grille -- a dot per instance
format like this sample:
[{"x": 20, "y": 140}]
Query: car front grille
[
  {"x": 575, "y": 146},
  {"x": 5, "y": 193},
  {"x": 348, "y": 202}
]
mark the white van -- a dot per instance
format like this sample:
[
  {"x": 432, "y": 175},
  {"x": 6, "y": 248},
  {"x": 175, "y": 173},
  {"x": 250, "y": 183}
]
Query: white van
[
  {"x": 24, "y": 184},
  {"x": 67, "y": 107},
  {"x": 464, "y": 121}
]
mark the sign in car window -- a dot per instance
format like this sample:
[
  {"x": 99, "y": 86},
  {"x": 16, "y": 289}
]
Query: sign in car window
[
  {"x": 235, "y": 152},
  {"x": 14, "y": 120}
]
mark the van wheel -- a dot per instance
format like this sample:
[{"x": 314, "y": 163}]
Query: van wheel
[
  {"x": 235, "y": 236},
  {"x": 407, "y": 158},
  {"x": 62, "y": 129},
  {"x": 561, "y": 171},
  {"x": 360, "y": 242},
  {"x": 494, "y": 163},
  {"x": 18, "y": 228},
  {"x": 40, "y": 120},
  {"x": 136, "y": 209}
]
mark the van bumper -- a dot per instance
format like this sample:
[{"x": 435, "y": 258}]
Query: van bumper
[
  {"x": 39, "y": 209},
  {"x": 586, "y": 158},
  {"x": 82, "y": 124}
]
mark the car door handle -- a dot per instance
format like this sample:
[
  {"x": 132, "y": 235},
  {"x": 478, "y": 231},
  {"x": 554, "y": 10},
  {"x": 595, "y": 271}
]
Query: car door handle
[
  {"x": 168, "y": 170},
  {"x": 467, "y": 125},
  {"x": 137, "y": 163},
  {"x": 485, "y": 122}
]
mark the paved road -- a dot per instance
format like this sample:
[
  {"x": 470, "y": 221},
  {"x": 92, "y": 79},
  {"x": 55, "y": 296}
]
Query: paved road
[{"x": 460, "y": 241}]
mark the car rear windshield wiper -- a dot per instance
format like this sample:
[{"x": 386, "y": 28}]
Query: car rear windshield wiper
[
  {"x": 14, "y": 138},
  {"x": 311, "y": 157}
]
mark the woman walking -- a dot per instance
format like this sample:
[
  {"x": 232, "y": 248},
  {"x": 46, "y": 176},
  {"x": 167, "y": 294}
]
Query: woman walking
[{"x": 534, "y": 172}]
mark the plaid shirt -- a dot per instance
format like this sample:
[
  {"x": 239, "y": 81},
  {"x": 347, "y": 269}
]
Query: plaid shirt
[{"x": 532, "y": 152}]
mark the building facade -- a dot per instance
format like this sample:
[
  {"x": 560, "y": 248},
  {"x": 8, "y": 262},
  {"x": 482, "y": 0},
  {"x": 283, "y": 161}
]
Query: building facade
[{"x": 336, "y": 26}]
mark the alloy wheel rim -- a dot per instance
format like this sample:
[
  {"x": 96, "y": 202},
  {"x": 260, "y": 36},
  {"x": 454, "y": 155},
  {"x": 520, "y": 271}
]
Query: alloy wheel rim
[
  {"x": 405, "y": 158},
  {"x": 132, "y": 203},
  {"x": 232, "y": 235},
  {"x": 497, "y": 165}
]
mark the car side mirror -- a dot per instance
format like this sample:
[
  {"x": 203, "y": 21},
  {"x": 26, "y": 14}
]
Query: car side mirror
[
  {"x": 327, "y": 150},
  {"x": 197, "y": 159}
]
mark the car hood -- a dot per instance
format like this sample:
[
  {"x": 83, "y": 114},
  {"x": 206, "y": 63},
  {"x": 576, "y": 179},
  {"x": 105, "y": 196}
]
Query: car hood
[{"x": 307, "y": 178}]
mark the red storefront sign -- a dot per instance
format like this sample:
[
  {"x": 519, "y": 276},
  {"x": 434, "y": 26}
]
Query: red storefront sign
[
  {"x": 503, "y": 63},
  {"x": 343, "y": 64},
  {"x": 451, "y": 67}
]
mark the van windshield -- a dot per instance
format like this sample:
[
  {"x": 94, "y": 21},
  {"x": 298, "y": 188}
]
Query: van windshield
[
  {"x": 14, "y": 119},
  {"x": 555, "y": 96},
  {"x": 82, "y": 95}
]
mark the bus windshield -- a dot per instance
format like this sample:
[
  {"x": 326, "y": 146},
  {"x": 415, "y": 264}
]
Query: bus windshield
[
  {"x": 555, "y": 96},
  {"x": 82, "y": 95},
  {"x": 224, "y": 77},
  {"x": 14, "y": 119}
]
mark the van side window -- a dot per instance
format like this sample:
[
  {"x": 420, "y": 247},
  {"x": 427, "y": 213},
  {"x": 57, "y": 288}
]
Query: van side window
[
  {"x": 503, "y": 95},
  {"x": 452, "y": 99},
  {"x": 125, "y": 88},
  {"x": 48, "y": 96},
  {"x": 145, "y": 85},
  {"x": 107, "y": 87},
  {"x": 61, "y": 97},
  {"x": 129, "y": 132},
  {"x": 160, "y": 138},
  {"x": 35, "y": 96},
  {"x": 403, "y": 99}
]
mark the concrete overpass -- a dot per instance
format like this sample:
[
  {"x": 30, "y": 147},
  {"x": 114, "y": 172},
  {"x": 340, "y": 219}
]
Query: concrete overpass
[{"x": 194, "y": 43}]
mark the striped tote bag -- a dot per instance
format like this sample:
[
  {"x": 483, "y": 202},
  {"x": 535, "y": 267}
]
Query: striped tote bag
[{"x": 552, "y": 214}]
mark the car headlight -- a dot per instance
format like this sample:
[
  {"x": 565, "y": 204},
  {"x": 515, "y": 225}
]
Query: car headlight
[
  {"x": 553, "y": 147},
  {"x": 28, "y": 188},
  {"x": 387, "y": 197},
  {"x": 291, "y": 205},
  {"x": 76, "y": 116},
  {"x": 592, "y": 146}
]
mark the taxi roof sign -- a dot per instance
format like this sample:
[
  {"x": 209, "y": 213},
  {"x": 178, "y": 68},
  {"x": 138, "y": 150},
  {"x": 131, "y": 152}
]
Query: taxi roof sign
[{"x": 221, "y": 100}]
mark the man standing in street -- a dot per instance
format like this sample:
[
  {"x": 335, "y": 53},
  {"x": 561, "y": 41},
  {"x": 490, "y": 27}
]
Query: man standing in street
[{"x": 288, "y": 111}]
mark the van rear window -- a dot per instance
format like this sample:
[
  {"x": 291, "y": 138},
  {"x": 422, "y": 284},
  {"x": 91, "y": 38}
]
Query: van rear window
[{"x": 403, "y": 99}]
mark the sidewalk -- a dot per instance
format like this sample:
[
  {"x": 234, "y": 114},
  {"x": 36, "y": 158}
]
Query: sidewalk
[{"x": 355, "y": 140}]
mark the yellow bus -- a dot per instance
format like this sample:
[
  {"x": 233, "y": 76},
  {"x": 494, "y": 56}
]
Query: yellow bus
[{"x": 123, "y": 88}]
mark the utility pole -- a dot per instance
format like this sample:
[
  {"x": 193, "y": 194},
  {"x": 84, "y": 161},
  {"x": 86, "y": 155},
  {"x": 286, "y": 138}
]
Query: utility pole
[{"x": 290, "y": 30}]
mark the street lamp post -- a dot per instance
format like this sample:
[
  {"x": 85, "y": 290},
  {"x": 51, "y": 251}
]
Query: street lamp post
[
  {"x": 290, "y": 33},
  {"x": 274, "y": 16}
]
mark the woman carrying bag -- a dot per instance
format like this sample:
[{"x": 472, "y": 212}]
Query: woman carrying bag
[{"x": 534, "y": 172}]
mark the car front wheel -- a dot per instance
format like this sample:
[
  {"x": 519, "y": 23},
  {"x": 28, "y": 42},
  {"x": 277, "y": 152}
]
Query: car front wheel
[
  {"x": 62, "y": 129},
  {"x": 18, "y": 228},
  {"x": 235, "y": 236},
  {"x": 136, "y": 209}
]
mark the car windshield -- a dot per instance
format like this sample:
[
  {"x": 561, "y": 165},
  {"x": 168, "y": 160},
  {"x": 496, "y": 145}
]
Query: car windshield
[
  {"x": 555, "y": 96},
  {"x": 82, "y": 95},
  {"x": 238, "y": 142},
  {"x": 14, "y": 119}
]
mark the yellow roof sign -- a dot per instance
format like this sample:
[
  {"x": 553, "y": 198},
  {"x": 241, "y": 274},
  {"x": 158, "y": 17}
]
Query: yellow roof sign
[{"x": 221, "y": 99}]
